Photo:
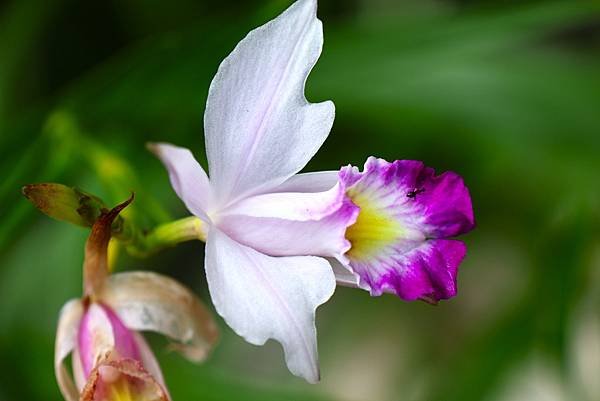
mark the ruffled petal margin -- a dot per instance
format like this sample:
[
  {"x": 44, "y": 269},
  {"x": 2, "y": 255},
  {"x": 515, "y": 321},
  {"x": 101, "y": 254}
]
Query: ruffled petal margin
[
  {"x": 438, "y": 205},
  {"x": 427, "y": 272},
  {"x": 399, "y": 240}
]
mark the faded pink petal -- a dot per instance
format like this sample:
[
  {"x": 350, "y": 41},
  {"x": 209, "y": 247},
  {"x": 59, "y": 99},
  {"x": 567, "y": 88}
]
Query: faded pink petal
[{"x": 101, "y": 332}]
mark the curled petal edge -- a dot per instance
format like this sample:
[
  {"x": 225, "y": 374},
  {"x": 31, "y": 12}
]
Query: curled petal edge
[
  {"x": 66, "y": 340},
  {"x": 150, "y": 301}
]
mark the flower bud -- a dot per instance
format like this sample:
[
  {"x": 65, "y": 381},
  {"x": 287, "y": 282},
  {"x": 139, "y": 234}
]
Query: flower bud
[{"x": 64, "y": 203}]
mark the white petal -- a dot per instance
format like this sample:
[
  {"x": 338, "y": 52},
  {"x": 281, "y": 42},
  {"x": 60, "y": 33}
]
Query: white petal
[
  {"x": 188, "y": 178},
  {"x": 318, "y": 181},
  {"x": 150, "y": 301},
  {"x": 263, "y": 297},
  {"x": 259, "y": 127},
  {"x": 66, "y": 340},
  {"x": 292, "y": 224}
]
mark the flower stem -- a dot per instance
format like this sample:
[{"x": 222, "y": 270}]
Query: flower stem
[{"x": 143, "y": 243}]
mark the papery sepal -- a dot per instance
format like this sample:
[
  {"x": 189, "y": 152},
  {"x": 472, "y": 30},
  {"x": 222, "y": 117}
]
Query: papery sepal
[{"x": 150, "y": 301}]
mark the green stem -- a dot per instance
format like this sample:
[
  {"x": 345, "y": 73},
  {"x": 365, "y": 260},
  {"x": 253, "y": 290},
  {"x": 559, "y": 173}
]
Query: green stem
[{"x": 142, "y": 244}]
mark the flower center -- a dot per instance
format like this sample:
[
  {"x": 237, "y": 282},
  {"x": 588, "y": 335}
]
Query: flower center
[
  {"x": 121, "y": 391},
  {"x": 373, "y": 230}
]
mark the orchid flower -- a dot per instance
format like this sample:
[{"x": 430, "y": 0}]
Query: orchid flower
[
  {"x": 271, "y": 234},
  {"x": 110, "y": 360}
]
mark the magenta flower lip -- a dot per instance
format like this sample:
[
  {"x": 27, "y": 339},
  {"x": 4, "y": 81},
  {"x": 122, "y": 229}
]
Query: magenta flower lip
[{"x": 400, "y": 242}]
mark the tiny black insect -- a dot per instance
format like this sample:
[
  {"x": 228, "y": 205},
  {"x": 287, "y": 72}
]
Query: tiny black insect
[{"x": 413, "y": 194}]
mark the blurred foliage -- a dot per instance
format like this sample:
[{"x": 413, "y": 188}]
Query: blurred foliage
[{"x": 505, "y": 93}]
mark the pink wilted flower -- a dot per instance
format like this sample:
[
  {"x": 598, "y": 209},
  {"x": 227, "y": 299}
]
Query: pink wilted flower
[
  {"x": 110, "y": 360},
  {"x": 272, "y": 235}
]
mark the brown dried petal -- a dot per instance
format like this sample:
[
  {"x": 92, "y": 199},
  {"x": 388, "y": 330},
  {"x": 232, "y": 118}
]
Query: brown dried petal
[
  {"x": 122, "y": 379},
  {"x": 150, "y": 301}
]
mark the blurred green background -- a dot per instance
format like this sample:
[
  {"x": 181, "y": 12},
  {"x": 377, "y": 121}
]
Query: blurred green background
[{"x": 506, "y": 93}]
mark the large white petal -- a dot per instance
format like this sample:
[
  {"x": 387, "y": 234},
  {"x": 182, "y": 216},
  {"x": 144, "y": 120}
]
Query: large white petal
[
  {"x": 150, "y": 301},
  {"x": 263, "y": 297},
  {"x": 66, "y": 340},
  {"x": 188, "y": 178},
  {"x": 259, "y": 127}
]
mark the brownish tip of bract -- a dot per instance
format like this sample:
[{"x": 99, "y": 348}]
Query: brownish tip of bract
[
  {"x": 34, "y": 192},
  {"x": 429, "y": 300},
  {"x": 114, "y": 212},
  {"x": 25, "y": 190},
  {"x": 95, "y": 265}
]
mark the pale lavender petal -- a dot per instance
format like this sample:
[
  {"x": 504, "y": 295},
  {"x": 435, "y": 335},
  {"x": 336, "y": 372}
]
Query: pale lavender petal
[
  {"x": 188, "y": 179},
  {"x": 66, "y": 342},
  {"x": 259, "y": 128},
  {"x": 263, "y": 297},
  {"x": 426, "y": 272},
  {"x": 291, "y": 224}
]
